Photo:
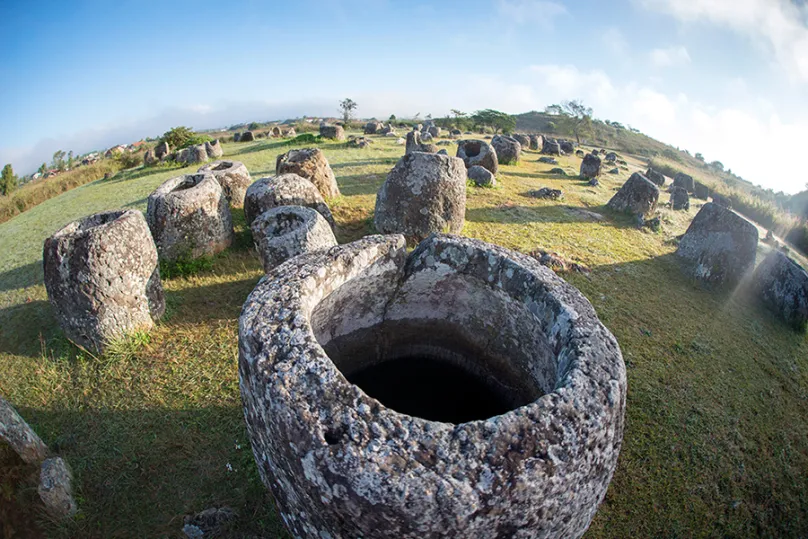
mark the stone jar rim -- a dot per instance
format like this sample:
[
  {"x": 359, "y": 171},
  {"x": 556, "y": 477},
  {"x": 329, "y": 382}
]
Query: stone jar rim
[
  {"x": 78, "y": 228},
  {"x": 298, "y": 292}
]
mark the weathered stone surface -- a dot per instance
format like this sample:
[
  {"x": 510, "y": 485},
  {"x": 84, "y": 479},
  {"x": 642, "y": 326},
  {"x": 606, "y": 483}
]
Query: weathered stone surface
[
  {"x": 656, "y": 177},
  {"x": 523, "y": 140},
  {"x": 527, "y": 449},
  {"x": 102, "y": 278},
  {"x": 684, "y": 180},
  {"x": 276, "y": 132},
  {"x": 284, "y": 190},
  {"x": 614, "y": 171},
  {"x": 590, "y": 167},
  {"x": 309, "y": 163},
  {"x": 566, "y": 146},
  {"x": 55, "y": 488},
  {"x": 478, "y": 152},
  {"x": 371, "y": 128},
  {"x": 558, "y": 170},
  {"x": 782, "y": 285},
  {"x": 546, "y": 192},
  {"x": 149, "y": 158},
  {"x": 425, "y": 136},
  {"x": 701, "y": 191},
  {"x": 414, "y": 144},
  {"x": 611, "y": 157},
  {"x": 189, "y": 217},
  {"x": 719, "y": 245},
  {"x": 579, "y": 153},
  {"x": 214, "y": 149},
  {"x": 551, "y": 147},
  {"x": 388, "y": 130},
  {"x": 548, "y": 160},
  {"x": 536, "y": 142},
  {"x": 481, "y": 176},
  {"x": 507, "y": 148},
  {"x": 234, "y": 178},
  {"x": 434, "y": 131},
  {"x": 236, "y": 137},
  {"x": 679, "y": 198},
  {"x": 557, "y": 263},
  {"x": 287, "y": 231},
  {"x": 162, "y": 150},
  {"x": 594, "y": 182},
  {"x": 192, "y": 154},
  {"x": 247, "y": 136},
  {"x": 654, "y": 224},
  {"x": 424, "y": 194},
  {"x": 638, "y": 196},
  {"x": 721, "y": 201},
  {"x": 20, "y": 436},
  {"x": 334, "y": 132}
]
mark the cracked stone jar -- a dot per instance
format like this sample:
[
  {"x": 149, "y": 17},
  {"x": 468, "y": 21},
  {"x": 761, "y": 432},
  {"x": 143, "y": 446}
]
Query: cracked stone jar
[{"x": 462, "y": 390}]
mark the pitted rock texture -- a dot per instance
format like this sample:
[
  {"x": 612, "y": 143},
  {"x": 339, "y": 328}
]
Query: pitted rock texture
[
  {"x": 508, "y": 149},
  {"x": 719, "y": 245},
  {"x": 287, "y": 231},
  {"x": 782, "y": 285},
  {"x": 342, "y": 464},
  {"x": 685, "y": 181},
  {"x": 234, "y": 178},
  {"x": 481, "y": 176},
  {"x": 192, "y": 154},
  {"x": 638, "y": 196},
  {"x": 536, "y": 142},
  {"x": 478, "y": 152},
  {"x": 214, "y": 149},
  {"x": 55, "y": 488},
  {"x": 189, "y": 217},
  {"x": 680, "y": 200},
  {"x": 551, "y": 147},
  {"x": 335, "y": 132},
  {"x": 309, "y": 163},
  {"x": 425, "y": 193},
  {"x": 102, "y": 278},
  {"x": 523, "y": 140},
  {"x": 414, "y": 144},
  {"x": 590, "y": 167},
  {"x": 657, "y": 178},
  {"x": 284, "y": 190},
  {"x": 20, "y": 436}
]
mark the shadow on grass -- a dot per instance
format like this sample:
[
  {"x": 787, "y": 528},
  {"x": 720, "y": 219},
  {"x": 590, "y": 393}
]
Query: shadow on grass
[
  {"x": 203, "y": 303},
  {"x": 556, "y": 213},
  {"x": 380, "y": 161},
  {"x": 138, "y": 472},
  {"x": 21, "y": 277},
  {"x": 260, "y": 147},
  {"x": 22, "y": 326},
  {"x": 360, "y": 184}
]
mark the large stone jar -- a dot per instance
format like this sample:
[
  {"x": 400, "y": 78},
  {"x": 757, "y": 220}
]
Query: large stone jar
[
  {"x": 234, "y": 178},
  {"x": 189, "y": 217},
  {"x": 461, "y": 391},
  {"x": 102, "y": 278}
]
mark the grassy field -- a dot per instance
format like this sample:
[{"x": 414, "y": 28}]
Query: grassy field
[{"x": 717, "y": 435}]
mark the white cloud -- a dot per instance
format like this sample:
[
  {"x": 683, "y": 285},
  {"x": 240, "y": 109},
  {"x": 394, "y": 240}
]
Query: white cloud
[
  {"x": 568, "y": 82},
  {"x": 614, "y": 40},
  {"x": 672, "y": 56},
  {"x": 777, "y": 24},
  {"x": 541, "y": 12}
]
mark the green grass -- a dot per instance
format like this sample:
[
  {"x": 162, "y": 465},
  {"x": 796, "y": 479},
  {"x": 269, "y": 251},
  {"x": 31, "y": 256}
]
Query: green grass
[{"x": 717, "y": 432}]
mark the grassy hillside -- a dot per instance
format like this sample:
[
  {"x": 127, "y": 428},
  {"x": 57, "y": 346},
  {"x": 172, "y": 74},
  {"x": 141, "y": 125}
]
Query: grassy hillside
[{"x": 717, "y": 417}]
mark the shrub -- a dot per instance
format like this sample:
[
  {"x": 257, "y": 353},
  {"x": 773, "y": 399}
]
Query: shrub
[
  {"x": 305, "y": 138},
  {"x": 129, "y": 159},
  {"x": 182, "y": 137}
]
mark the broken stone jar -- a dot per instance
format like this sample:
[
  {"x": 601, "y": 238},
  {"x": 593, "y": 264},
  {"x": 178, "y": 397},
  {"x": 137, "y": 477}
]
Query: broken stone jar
[{"x": 462, "y": 390}]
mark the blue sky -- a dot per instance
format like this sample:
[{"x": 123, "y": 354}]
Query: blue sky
[{"x": 727, "y": 78}]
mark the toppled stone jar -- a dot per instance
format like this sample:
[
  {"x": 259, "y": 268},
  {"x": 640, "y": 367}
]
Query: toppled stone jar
[
  {"x": 461, "y": 391},
  {"x": 102, "y": 278}
]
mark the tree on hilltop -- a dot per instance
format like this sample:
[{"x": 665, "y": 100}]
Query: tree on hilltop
[
  {"x": 496, "y": 120},
  {"x": 572, "y": 117},
  {"x": 346, "y": 107},
  {"x": 8, "y": 180}
]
